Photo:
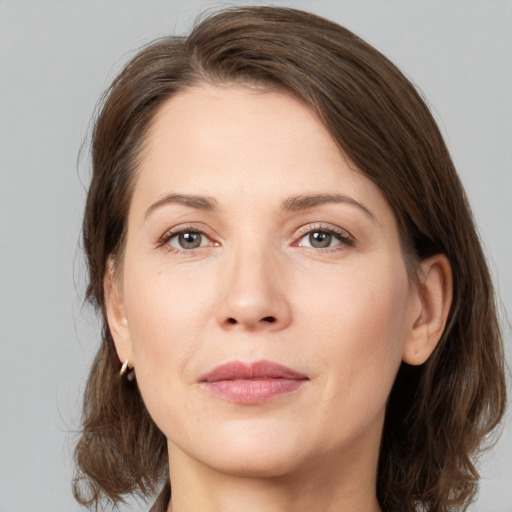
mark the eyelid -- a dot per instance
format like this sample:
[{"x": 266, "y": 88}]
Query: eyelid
[
  {"x": 181, "y": 228},
  {"x": 344, "y": 236}
]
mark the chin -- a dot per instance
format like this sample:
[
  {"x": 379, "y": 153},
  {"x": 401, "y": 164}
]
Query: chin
[
  {"x": 256, "y": 463},
  {"x": 248, "y": 452}
]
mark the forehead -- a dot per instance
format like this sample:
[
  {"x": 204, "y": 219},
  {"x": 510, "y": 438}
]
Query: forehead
[
  {"x": 215, "y": 120},
  {"x": 241, "y": 142}
]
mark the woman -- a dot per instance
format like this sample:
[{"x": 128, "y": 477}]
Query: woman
[{"x": 290, "y": 280}]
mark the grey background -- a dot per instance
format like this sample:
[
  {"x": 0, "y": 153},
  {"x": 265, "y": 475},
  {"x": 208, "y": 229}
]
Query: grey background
[{"x": 55, "y": 60}]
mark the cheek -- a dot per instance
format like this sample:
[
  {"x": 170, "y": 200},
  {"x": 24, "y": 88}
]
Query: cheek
[
  {"x": 361, "y": 327},
  {"x": 368, "y": 303},
  {"x": 155, "y": 316},
  {"x": 166, "y": 315}
]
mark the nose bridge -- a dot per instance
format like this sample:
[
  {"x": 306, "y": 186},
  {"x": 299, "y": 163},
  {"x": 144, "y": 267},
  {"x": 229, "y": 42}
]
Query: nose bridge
[{"x": 254, "y": 296}]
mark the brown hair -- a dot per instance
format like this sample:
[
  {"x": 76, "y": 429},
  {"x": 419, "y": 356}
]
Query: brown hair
[{"x": 438, "y": 413}]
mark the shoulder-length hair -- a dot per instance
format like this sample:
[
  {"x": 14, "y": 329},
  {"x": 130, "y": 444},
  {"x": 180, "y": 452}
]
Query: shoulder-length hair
[{"x": 438, "y": 413}]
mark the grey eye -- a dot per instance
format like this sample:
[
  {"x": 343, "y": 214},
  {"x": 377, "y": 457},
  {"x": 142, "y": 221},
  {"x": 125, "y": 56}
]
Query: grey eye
[
  {"x": 188, "y": 240},
  {"x": 320, "y": 239}
]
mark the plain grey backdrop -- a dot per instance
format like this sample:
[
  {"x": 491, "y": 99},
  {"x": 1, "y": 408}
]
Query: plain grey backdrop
[{"x": 55, "y": 60}]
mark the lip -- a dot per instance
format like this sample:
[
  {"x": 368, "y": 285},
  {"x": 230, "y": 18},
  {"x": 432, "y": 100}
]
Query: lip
[{"x": 251, "y": 383}]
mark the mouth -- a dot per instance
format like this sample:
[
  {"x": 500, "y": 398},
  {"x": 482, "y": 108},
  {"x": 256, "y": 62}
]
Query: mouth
[{"x": 251, "y": 383}]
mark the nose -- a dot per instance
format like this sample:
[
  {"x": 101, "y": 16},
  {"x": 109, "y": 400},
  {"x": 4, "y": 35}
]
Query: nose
[{"x": 254, "y": 293}]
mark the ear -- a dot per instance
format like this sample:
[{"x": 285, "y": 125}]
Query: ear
[
  {"x": 116, "y": 317},
  {"x": 434, "y": 291}
]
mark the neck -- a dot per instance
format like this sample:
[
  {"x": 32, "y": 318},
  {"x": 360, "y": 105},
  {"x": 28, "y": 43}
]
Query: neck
[{"x": 331, "y": 486}]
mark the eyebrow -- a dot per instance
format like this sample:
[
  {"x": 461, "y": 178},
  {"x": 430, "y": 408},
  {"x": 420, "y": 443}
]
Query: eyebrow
[
  {"x": 304, "y": 202},
  {"x": 292, "y": 204},
  {"x": 197, "y": 202}
]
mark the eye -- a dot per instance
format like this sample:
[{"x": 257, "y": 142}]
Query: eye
[
  {"x": 187, "y": 239},
  {"x": 320, "y": 239},
  {"x": 324, "y": 239}
]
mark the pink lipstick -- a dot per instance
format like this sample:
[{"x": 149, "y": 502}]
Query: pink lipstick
[{"x": 251, "y": 383}]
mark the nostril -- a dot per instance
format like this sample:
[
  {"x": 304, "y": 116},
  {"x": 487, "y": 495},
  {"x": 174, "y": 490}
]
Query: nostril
[{"x": 266, "y": 319}]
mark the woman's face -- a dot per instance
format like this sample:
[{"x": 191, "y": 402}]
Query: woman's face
[{"x": 264, "y": 301}]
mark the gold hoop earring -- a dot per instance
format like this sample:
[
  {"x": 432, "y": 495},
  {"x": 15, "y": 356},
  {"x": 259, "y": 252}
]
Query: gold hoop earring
[{"x": 127, "y": 370}]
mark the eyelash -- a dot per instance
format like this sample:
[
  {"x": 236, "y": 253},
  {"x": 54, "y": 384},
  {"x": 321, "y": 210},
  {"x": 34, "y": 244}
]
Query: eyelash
[
  {"x": 345, "y": 239},
  {"x": 169, "y": 235}
]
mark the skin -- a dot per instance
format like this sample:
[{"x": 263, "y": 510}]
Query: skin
[{"x": 256, "y": 288}]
